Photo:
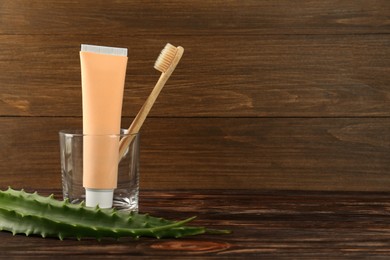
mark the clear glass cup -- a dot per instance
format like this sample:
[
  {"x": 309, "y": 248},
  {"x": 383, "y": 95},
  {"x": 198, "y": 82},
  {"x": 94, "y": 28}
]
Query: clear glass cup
[{"x": 71, "y": 152}]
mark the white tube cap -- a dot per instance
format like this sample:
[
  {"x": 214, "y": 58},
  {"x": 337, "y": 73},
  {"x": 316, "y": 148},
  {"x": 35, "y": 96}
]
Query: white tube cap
[{"x": 103, "y": 198}]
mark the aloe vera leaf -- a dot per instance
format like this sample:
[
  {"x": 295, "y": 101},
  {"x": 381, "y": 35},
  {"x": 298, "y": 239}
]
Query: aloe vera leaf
[
  {"x": 18, "y": 223},
  {"x": 62, "y": 219}
]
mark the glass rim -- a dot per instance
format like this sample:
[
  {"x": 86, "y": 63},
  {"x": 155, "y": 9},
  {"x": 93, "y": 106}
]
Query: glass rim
[{"x": 79, "y": 133}]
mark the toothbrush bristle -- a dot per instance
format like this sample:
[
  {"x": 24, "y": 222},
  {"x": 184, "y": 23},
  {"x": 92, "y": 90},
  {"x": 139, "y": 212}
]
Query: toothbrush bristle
[{"x": 165, "y": 58}]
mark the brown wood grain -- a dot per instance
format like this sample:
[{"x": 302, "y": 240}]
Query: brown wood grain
[
  {"x": 269, "y": 94},
  {"x": 194, "y": 17},
  {"x": 223, "y": 76},
  {"x": 222, "y": 153},
  {"x": 282, "y": 225}
]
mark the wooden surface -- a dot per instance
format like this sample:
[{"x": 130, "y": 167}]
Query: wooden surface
[
  {"x": 282, "y": 225},
  {"x": 219, "y": 76},
  {"x": 227, "y": 153},
  {"x": 269, "y": 94},
  {"x": 195, "y": 17}
]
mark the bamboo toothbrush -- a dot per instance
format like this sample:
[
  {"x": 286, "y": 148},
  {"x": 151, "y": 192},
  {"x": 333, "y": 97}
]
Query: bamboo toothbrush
[{"x": 166, "y": 63}]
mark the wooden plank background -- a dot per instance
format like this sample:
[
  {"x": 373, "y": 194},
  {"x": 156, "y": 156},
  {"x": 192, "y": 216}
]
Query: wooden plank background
[{"x": 269, "y": 94}]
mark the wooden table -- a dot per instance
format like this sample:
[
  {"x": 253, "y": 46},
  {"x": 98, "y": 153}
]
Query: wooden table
[{"x": 281, "y": 224}]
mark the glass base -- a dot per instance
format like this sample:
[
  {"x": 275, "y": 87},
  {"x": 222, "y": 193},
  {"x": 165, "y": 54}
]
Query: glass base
[{"x": 120, "y": 203}]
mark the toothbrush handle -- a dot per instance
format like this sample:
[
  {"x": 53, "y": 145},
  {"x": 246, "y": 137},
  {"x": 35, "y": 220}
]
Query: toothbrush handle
[
  {"x": 147, "y": 106},
  {"x": 143, "y": 113}
]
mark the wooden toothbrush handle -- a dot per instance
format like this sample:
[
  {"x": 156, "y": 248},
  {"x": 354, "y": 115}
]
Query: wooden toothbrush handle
[
  {"x": 142, "y": 114},
  {"x": 147, "y": 106}
]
